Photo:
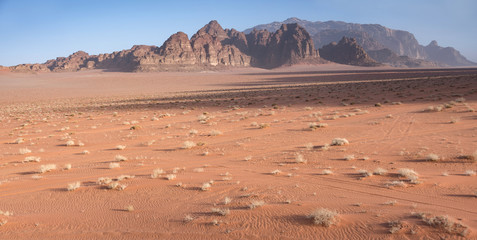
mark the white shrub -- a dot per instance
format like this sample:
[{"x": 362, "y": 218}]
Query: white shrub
[
  {"x": 188, "y": 145},
  {"x": 120, "y": 158},
  {"x": 114, "y": 165},
  {"x": 221, "y": 211},
  {"x": 380, "y": 171},
  {"x": 324, "y": 217},
  {"x": 205, "y": 187},
  {"x": 47, "y": 168},
  {"x": 24, "y": 151},
  {"x": 339, "y": 142},
  {"x": 432, "y": 157},
  {"x": 120, "y": 147},
  {"x": 31, "y": 159},
  {"x": 170, "y": 176},
  {"x": 73, "y": 186},
  {"x": 327, "y": 172},
  {"x": 256, "y": 204}
]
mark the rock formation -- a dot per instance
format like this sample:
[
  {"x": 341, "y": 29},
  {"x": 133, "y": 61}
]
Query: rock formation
[
  {"x": 374, "y": 37},
  {"x": 388, "y": 57},
  {"x": 347, "y": 51},
  {"x": 447, "y": 55},
  {"x": 211, "y": 47}
]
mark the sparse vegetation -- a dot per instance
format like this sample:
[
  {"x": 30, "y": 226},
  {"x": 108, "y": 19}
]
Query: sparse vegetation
[
  {"x": 73, "y": 186},
  {"x": 256, "y": 203},
  {"x": 221, "y": 211},
  {"x": 157, "y": 173},
  {"x": 339, "y": 142},
  {"x": 188, "y": 145},
  {"x": 114, "y": 165},
  {"x": 120, "y": 147},
  {"x": 324, "y": 217},
  {"x": 47, "y": 168},
  {"x": 432, "y": 157}
]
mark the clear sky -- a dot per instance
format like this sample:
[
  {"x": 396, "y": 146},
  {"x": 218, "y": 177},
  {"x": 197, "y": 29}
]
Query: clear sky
[{"x": 37, "y": 30}]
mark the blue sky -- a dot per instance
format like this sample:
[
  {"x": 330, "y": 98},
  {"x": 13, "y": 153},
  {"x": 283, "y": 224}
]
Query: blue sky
[{"x": 35, "y": 31}]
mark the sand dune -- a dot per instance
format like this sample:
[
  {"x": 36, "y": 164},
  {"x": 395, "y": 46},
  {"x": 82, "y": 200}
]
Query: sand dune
[{"x": 260, "y": 136}]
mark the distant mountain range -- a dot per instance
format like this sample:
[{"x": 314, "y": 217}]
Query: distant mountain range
[
  {"x": 373, "y": 37},
  {"x": 212, "y": 47},
  {"x": 265, "y": 46}
]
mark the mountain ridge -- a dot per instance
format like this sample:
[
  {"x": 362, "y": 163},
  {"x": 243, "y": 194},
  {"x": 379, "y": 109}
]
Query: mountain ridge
[
  {"x": 211, "y": 47},
  {"x": 374, "y": 37}
]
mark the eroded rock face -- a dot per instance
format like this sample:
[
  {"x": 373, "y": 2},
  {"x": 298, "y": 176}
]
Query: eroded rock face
[
  {"x": 374, "y": 37},
  {"x": 347, "y": 51},
  {"x": 389, "y": 57},
  {"x": 211, "y": 47}
]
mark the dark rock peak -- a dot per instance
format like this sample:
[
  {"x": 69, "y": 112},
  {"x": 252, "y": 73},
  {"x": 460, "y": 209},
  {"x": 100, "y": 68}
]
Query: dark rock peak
[
  {"x": 347, "y": 51},
  {"x": 213, "y": 29}
]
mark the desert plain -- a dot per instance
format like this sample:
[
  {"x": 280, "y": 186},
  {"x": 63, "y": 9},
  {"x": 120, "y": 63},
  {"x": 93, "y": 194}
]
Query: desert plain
[{"x": 240, "y": 154}]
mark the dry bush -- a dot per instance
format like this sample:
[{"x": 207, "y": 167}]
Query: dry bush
[
  {"x": 339, "y": 142},
  {"x": 47, "y": 168},
  {"x": 215, "y": 133},
  {"x": 380, "y": 171},
  {"x": 67, "y": 166},
  {"x": 122, "y": 177},
  {"x": 19, "y": 140},
  {"x": 114, "y": 165},
  {"x": 276, "y": 172},
  {"x": 395, "y": 226},
  {"x": 256, "y": 204},
  {"x": 324, "y": 217},
  {"x": 120, "y": 147},
  {"x": 104, "y": 181},
  {"x": 365, "y": 173},
  {"x": 410, "y": 174},
  {"x": 188, "y": 218},
  {"x": 444, "y": 223},
  {"x": 188, "y": 145},
  {"x": 221, "y": 211},
  {"x": 349, "y": 157},
  {"x": 432, "y": 157},
  {"x": 116, "y": 186},
  {"x": 157, "y": 173},
  {"x": 73, "y": 186},
  {"x": 170, "y": 176},
  {"x": 24, "y": 151},
  {"x": 205, "y": 186},
  {"x": 120, "y": 158},
  {"x": 129, "y": 208},
  {"x": 300, "y": 159},
  {"x": 31, "y": 159},
  {"x": 70, "y": 143},
  {"x": 469, "y": 173},
  {"x": 327, "y": 172},
  {"x": 227, "y": 200}
]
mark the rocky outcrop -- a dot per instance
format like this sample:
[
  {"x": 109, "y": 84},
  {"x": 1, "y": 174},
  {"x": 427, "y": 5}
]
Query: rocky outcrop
[
  {"x": 373, "y": 37},
  {"x": 347, "y": 51},
  {"x": 211, "y": 47},
  {"x": 388, "y": 57},
  {"x": 447, "y": 55}
]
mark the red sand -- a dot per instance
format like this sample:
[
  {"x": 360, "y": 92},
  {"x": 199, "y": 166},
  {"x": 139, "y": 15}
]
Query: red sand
[{"x": 100, "y": 109}]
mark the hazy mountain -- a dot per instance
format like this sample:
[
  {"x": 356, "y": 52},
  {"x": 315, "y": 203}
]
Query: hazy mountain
[{"x": 374, "y": 37}]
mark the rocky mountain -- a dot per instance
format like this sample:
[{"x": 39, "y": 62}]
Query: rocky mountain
[
  {"x": 388, "y": 57},
  {"x": 347, "y": 51},
  {"x": 447, "y": 55},
  {"x": 374, "y": 37},
  {"x": 211, "y": 47}
]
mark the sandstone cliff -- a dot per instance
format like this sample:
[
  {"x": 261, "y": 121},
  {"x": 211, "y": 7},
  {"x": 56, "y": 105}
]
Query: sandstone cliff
[
  {"x": 374, "y": 37},
  {"x": 211, "y": 47},
  {"x": 347, "y": 51}
]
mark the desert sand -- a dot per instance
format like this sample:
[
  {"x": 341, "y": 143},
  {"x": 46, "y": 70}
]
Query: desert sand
[{"x": 239, "y": 154}]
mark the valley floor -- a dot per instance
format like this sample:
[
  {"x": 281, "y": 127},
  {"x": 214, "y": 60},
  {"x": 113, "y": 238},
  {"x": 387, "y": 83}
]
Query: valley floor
[{"x": 244, "y": 154}]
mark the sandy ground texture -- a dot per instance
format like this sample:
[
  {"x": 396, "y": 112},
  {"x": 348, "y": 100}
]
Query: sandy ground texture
[{"x": 327, "y": 152}]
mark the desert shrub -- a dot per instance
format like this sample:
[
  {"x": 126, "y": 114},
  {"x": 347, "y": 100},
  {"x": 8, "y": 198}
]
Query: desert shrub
[
  {"x": 256, "y": 203},
  {"x": 221, "y": 211},
  {"x": 380, "y": 171},
  {"x": 327, "y": 172},
  {"x": 47, "y": 168},
  {"x": 324, "y": 217},
  {"x": 73, "y": 186},
  {"x": 432, "y": 157},
  {"x": 157, "y": 173},
  {"x": 339, "y": 142},
  {"x": 188, "y": 145}
]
